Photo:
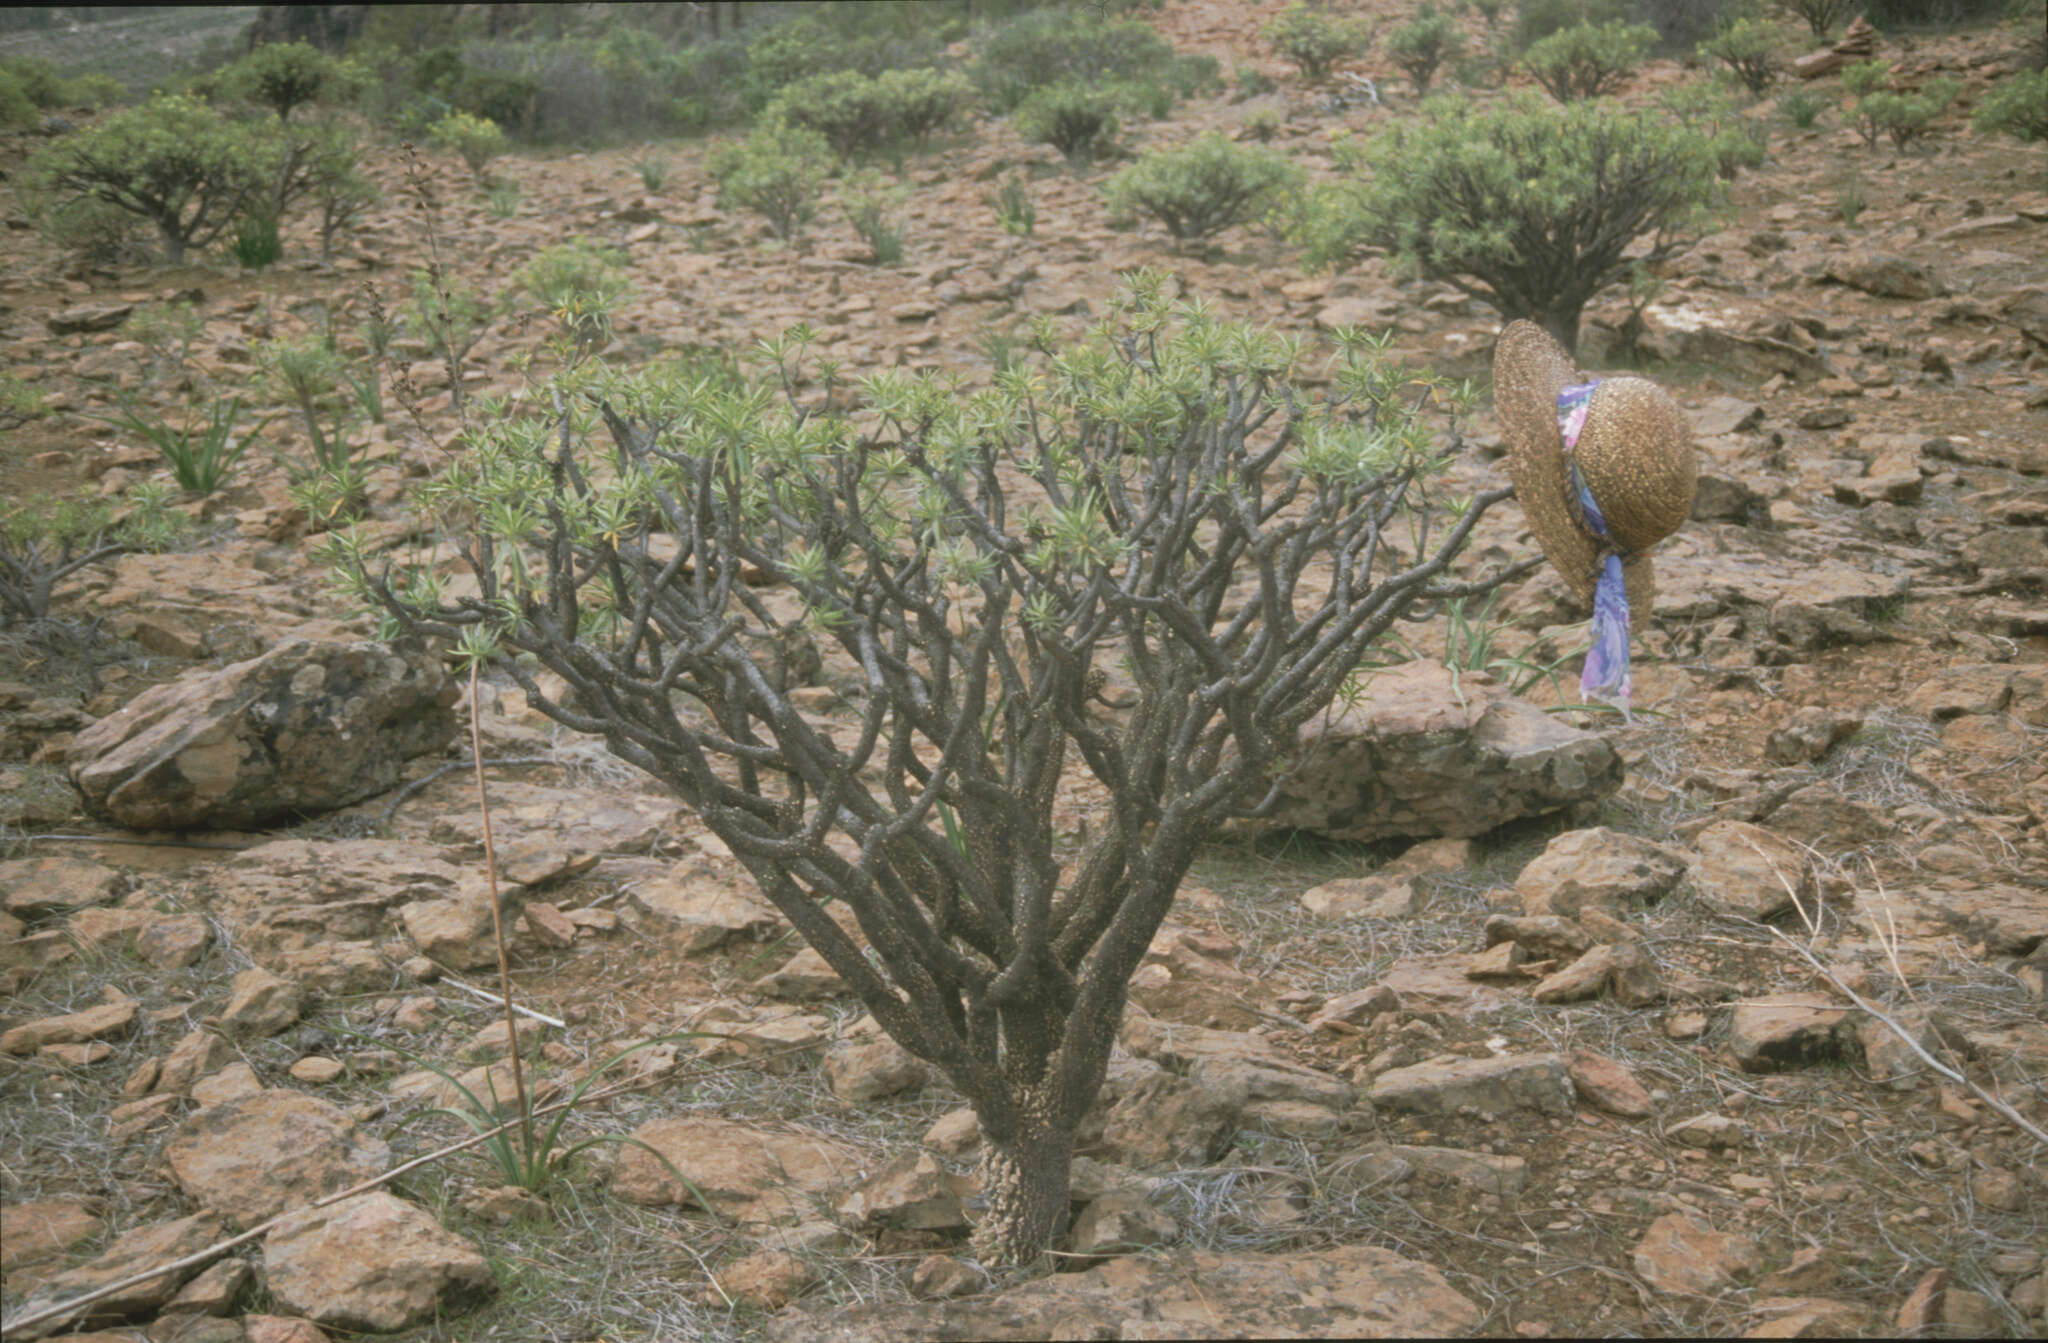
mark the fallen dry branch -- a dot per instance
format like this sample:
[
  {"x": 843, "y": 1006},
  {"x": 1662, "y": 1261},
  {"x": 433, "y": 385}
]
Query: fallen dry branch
[{"x": 2012, "y": 1116}]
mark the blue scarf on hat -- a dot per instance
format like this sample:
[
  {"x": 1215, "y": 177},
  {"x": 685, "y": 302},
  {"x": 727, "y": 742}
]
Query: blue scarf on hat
[{"x": 1606, "y": 672}]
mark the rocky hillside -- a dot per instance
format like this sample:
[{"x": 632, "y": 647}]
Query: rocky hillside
[{"x": 1728, "y": 1019}]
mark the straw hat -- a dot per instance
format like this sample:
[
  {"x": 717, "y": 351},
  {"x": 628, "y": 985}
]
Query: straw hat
[{"x": 1635, "y": 454}]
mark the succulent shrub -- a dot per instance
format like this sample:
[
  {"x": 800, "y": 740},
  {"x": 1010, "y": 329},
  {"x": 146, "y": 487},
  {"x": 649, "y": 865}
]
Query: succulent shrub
[
  {"x": 1750, "y": 48},
  {"x": 1531, "y": 206},
  {"x": 477, "y": 139},
  {"x": 2017, "y": 106},
  {"x": 778, "y": 171},
  {"x": 1078, "y": 121},
  {"x": 1060, "y": 46},
  {"x": 173, "y": 162},
  {"x": 46, "y": 538},
  {"x": 1203, "y": 188},
  {"x": 284, "y": 76},
  {"x": 1821, "y": 16},
  {"x": 987, "y": 562},
  {"x": 1421, "y": 46},
  {"x": 1589, "y": 60},
  {"x": 580, "y": 282},
  {"x": 875, "y": 209},
  {"x": 1315, "y": 41}
]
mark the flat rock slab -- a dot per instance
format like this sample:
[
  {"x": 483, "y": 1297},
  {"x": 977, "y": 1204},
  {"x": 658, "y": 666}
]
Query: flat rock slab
[
  {"x": 707, "y": 909},
  {"x": 1601, "y": 868},
  {"x": 1353, "y": 1291},
  {"x": 1680, "y": 1255},
  {"x": 31, "y": 1233},
  {"x": 1746, "y": 871},
  {"x": 541, "y": 832},
  {"x": 372, "y": 1262},
  {"x": 94, "y": 1023},
  {"x": 1499, "y": 1085},
  {"x": 253, "y": 1158},
  {"x": 1237, "y": 1061},
  {"x": 756, "y": 1174},
  {"x": 32, "y": 887},
  {"x": 138, "y": 1250},
  {"x": 1420, "y": 756},
  {"x": 1787, "y": 1030},
  {"x": 305, "y": 728}
]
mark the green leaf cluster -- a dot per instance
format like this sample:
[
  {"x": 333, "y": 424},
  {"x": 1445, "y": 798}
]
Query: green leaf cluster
[
  {"x": 1538, "y": 19},
  {"x": 1589, "y": 60},
  {"x": 858, "y": 114},
  {"x": 1205, "y": 187},
  {"x": 2017, "y": 106},
  {"x": 46, "y": 537},
  {"x": 778, "y": 171},
  {"x": 1705, "y": 107},
  {"x": 580, "y": 282},
  {"x": 1421, "y": 45},
  {"x": 1314, "y": 40},
  {"x": 284, "y": 76},
  {"x": 1079, "y": 46},
  {"x": 1751, "y": 48},
  {"x": 29, "y": 84},
  {"x": 1878, "y": 110},
  {"x": 174, "y": 162},
  {"x": 477, "y": 139},
  {"x": 1529, "y": 205},
  {"x": 1077, "y": 120},
  {"x": 875, "y": 209}
]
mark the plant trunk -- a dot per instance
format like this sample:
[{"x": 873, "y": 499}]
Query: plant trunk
[
  {"x": 174, "y": 245},
  {"x": 1561, "y": 320},
  {"x": 1025, "y": 1181}
]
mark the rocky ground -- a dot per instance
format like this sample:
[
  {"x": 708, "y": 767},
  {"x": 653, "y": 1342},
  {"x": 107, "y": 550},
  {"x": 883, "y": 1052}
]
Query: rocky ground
[{"x": 1539, "y": 1024}]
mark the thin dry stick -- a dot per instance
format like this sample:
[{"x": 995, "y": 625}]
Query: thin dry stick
[
  {"x": 2017, "y": 1119},
  {"x": 476, "y": 752},
  {"x": 495, "y": 1001}
]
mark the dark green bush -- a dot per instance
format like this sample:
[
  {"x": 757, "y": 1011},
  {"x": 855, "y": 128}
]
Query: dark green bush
[
  {"x": 1075, "y": 46},
  {"x": 43, "y": 86},
  {"x": 1315, "y": 41},
  {"x": 1589, "y": 60},
  {"x": 1538, "y": 19},
  {"x": 1204, "y": 188},
  {"x": 174, "y": 162},
  {"x": 1750, "y": 48},
  {"x": 858, "y": 114},
  {"x": 1421, "y": 45},
  {"x": 1734, "y": 141},
  {"x": 1905, "y": 117},
  {"x": 2017, "y": 106},
  {"x": 284, "y": 76},
  {"x": 1532, "y": 206},
  {"x": 16, "y": 109},
  {"x": 1821, "y": 16},
  {"x": 1802, "y": 107},
  {"x": 778, "y": 171},
  {"x": 1077, "y": 120}
]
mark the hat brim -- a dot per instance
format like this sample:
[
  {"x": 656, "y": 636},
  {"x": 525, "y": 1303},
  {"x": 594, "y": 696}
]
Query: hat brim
[{"x": 1529, "y": 370}]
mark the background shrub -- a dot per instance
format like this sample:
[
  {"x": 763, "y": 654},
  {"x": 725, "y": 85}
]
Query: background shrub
[
  {"x": 174, "y": 162},
  {"x": 581, "y": 283},
  {"x": 846, "y": 107},
  {"x": 1821, "y": 16},
  {"x": 1802, "y": 107},
  {"x": 477, "y": 139},
  {"x": 1204, "y": 188},
  {"x": 284, "y": 76},
  {"x": 1749, "y": 47},
  {"x": 2017, "y": 106},
  {"x": 875, "y": 209},
  {"x": 1733, "y": 141},
  {"x": 1529, "y": 205},
  {"x": 1051, "y": 46},
  {"x": 1314, "y": 41},
  {"x": 1589, "y": 60},
  {"x": 1905, "y": 117},
  {"x": 778, "y": 172},
  {"x": 1075, "y": 119},
  {"x": 1538, "y": 19},
  {"x": 43, "y": 87},
  {"x": 1423, "y": 44}
]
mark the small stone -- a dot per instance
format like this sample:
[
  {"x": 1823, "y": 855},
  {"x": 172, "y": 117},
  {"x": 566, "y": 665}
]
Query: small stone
[
  {"x": 1597, "y": 867},
  {"x": 939, "y": 1277},
  {"x": 77, "y": 1056},
  {"x": 865, "y": 1070},
  {"x": 505, "y": 1204},
  {"x": 1680, "y": 1255},
  {"x": 253, "y": 1158},
  {"x": 1748, "y": 872},
  {"x": 910, "y": 1193},
  {"x": 1608, "y": 1085},
  {"x": 766, "y": 1280},
  {"x": 317, "y": 1070},
  {"x": 281, "y": 1329},
  {"x": 1503, "y": 960},
  {"x": 95, "y": 1023},
  {"x": 1497, "y": 1085},
  {"x": 197, "y": 1055},
  {"x": 1786, "y": 1031},
  {"x": 955, "y": 1134},
  {"x": 1922, "y": 1305},
  {"x": 549, "y": 924},
  {"x": 174, "y": 943},
  {"x": 1811, "y": 1270},
  {"x": 1998, "y": 1189},
  {"x": 217, "y": 1289},
  {"x": 1708, "y": 1132},
  {"x": 261, "y": 1004},
  {"x": 229, "y": 1084},
  {"x": 1971, "y": 1314},
  {"x": 372, "y": 1262},
  {"x": 1586, "y": 977},
  {"x": 806, "y": 977},
  {"x": 1360, "y": 898},
  {"x": 1119, "y": 1222}
]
